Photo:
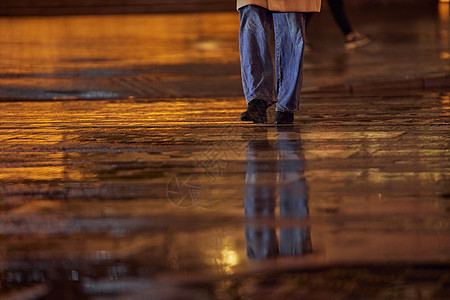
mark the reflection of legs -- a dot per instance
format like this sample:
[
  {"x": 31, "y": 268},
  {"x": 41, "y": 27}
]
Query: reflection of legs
[
  {"x": 293, "y": 204},
  {"x": 293, "y": 193},
  {"x": 261, "y": 242},
  {"x": 260, "y": 201}
]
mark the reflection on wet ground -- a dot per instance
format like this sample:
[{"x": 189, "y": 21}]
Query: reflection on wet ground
[
  {"x": 276, "y": 173},
  {"x": 111, "y": 56},
  {"x": 93, "y": 43},
  {"x": 158, "y": 199}
]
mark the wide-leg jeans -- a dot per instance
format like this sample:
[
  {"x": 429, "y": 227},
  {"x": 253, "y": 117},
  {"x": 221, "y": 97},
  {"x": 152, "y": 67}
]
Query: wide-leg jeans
[{"x": 259, "y": 79}]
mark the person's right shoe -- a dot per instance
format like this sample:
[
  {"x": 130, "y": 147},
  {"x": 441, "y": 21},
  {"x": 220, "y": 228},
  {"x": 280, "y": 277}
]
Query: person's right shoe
[
  {"x": 355, "y": 39},
  {"x": 284, "y": 117},
  {"x": 256, "y": 112}
]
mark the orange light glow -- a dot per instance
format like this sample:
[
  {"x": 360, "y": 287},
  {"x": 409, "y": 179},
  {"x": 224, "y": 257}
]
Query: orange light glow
[
  {"x": 443, "y": 10},
  {"x": 116, "y": 41}
]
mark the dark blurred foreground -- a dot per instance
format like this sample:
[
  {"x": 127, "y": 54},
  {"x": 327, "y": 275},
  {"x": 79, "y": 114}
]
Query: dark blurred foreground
[
  {"x": 67, "y": 7},
  {"x": 84, "y": 7}
]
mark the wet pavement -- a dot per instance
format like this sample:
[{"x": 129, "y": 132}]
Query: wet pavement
[
  {"x": 132, "y": 177},
  {"x": 122, "y": 199}
]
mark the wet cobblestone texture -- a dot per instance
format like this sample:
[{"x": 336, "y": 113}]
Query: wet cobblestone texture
[
  {"x": 126, "y": 174},
  {"x": 160, "y": 196},
  {"x": 363, "y": 282}
]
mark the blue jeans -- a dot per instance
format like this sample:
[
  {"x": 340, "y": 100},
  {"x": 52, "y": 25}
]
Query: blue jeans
[{"x": 258, "y": 76}]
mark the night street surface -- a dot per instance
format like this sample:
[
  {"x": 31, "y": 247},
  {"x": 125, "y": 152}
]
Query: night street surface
[
  {"x": 126, "y": 173},
  {"x": 123, "y": 199}
]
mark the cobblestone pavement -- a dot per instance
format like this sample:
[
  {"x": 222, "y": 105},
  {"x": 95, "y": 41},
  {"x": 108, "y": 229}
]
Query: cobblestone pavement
[
  {"x": 126, "y": 174},
  {"x": 169, "y": 198}
]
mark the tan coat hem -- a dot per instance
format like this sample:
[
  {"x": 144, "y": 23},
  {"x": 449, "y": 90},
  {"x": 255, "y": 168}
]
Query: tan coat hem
[{"x": 284, "y": 5}]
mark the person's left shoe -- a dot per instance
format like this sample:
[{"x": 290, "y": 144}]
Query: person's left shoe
[
  {"x": 284, "y": 117},
  {"x": 256, "y": 112}
]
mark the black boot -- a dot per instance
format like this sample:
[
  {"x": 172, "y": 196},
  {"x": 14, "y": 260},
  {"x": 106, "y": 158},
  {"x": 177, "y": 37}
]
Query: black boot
[
  {"x": 256, "y": 112},
  {"x": 284, "y": 117}
]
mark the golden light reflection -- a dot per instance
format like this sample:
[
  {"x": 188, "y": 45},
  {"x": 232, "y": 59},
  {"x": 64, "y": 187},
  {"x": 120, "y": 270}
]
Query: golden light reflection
[
  {"x": 445, "y": 99},
  {"x": 39, "y": 129},
  {"x": 443, "y": 11},
  {"x": 48, "y": 44},
  {"x": 445, "y": 104},
  {"x": 352, "y": 135},
  {"x": 32, "y": 173},
  {"x": 228, "y": 259},
  {"x": 377, "y": 176}
]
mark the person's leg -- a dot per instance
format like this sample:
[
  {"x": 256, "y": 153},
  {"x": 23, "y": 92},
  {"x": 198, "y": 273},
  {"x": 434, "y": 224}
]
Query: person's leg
[
  {"x": 289, "y": 45},
  {"x": 256, "y": 61},
  {"x": 353, "y": 39},
  {"x": 337, "y": 9}
]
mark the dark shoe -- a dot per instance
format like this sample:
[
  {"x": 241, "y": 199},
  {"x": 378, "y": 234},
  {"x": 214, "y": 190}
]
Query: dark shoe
[
  {"x": 256, "y": 112},
  {"x": 284, "y": 117}
]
